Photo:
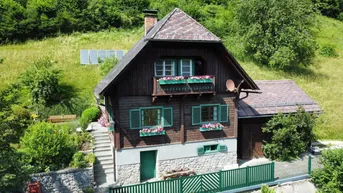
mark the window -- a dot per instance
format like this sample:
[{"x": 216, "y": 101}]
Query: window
[
  {"x": 186, "y": 67},
  {"x": 210, "y": 113},
  {"x": 165, "y": 68},
  {"x": 150, "y": 117},
  {"x": 211, "y": 149}
]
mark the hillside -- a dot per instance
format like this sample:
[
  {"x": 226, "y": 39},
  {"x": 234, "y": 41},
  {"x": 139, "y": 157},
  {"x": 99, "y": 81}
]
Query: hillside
[{"x": 322, "y": 81}]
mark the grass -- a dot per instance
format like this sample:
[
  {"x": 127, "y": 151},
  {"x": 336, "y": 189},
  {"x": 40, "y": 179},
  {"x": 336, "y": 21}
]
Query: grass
[
  {"x": 322, "y": 81},
  {"x": 66, "y": 51}
]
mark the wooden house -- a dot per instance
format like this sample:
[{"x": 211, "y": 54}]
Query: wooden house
[{"x": 171, "y": 105}]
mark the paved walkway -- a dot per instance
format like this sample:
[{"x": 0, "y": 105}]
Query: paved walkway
[
  {"x": 286, "y": 169},
  {"x": 302, "y": 186}
]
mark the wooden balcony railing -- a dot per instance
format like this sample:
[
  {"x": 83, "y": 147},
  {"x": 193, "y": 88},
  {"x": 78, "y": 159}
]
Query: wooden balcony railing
[{"x": 186, "y": 87}]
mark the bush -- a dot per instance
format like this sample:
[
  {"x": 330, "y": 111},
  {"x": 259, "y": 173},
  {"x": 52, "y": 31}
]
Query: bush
[
  {"x": 328, "y": 50},
  {"x": 107, "y": 65},
  {"x": 329, "y": 178},
  {"x": 275, "y": 38},
  {"x": 266, "y": 189},
  {"x": 290, "y": 135},
  {"x": 89, "y": 115},
  {"x": 81, "y": 160},
  {"x": 42, "y": 80},
  {"x": 2, "y": 60},
  {"x": 49, "y": 146}
]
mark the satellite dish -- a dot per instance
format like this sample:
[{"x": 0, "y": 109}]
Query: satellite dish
[{"x": 230, "y": 85}]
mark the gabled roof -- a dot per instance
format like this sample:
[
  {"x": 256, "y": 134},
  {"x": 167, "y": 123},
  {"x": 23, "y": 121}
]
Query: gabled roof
[
  {"x": 176, "y": 26},
  {"x": 179, "y": 26},
  {"x": 277, "y": 96}
]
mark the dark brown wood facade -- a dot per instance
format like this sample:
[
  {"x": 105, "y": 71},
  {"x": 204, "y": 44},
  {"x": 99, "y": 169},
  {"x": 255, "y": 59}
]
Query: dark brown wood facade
[
  {"x": 134, "y": 89},
  {"x": 250, "y": 137}
]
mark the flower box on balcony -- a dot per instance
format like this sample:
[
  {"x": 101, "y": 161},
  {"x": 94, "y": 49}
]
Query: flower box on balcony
[
  {"x": 199, "y": 79},
  {"x": 152, "y": 132},
  {"x": 172, "y": 80},
  {"x": 211, "y": 127}
]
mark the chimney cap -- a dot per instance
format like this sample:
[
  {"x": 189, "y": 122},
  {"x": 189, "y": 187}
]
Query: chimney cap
[{"x": 151, "y": 12}]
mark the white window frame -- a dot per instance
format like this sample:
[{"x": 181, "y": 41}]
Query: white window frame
[
  {"x": 164, "y": 67},
  {"x": 190, "y": 68}
]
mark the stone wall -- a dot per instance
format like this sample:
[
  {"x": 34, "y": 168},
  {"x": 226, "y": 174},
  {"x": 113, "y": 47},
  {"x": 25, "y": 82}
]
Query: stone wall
[
  {"x": 130, "y": 173},
  {"x": 65, "y": 181},
  {"x": 201, "y": 164}
]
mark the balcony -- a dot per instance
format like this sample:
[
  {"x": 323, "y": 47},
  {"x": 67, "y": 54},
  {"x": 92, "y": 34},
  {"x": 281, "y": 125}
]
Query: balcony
[{"x": 185, "y": 86}]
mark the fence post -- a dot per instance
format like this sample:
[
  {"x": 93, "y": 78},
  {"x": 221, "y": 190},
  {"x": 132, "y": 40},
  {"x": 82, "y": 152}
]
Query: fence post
[
  {"x": 309, "y": 164},
  {"x": 220, "y": 181},
  {"x": 180, "y": 188},
  {"x": 247, "y": 176},
  {"x": 273, "y": 171}
]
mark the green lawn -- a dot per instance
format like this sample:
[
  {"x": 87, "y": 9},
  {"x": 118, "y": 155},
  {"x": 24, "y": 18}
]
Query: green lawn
[{"x": 322, "y": 81}]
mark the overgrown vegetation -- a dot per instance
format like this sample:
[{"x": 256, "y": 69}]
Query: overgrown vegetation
[
  {"x": 329, "y": 178},
  {"x": 330, "y": 8},
  {"x": 107, "y": 65},
  {"x": 81, "y": 160},
  {"x": 266, "y": 189},
  {"x": 49, "y": 147},
  {"x": 289, "y": 134},
  {"x": 281, "y": 36}
]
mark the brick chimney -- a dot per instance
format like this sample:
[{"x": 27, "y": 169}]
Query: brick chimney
[{"x": 150, "y": 18}]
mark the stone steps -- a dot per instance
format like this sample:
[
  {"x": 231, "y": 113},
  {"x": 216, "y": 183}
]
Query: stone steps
[{"x": 104, "y": 165}]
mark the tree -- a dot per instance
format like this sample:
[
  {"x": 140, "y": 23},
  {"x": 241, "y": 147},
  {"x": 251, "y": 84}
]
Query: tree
[
  {"x": 330, "y": 8},
  {"x": 277, "y": 33},
  {"x": 329, "y": 179},
  {"x": 13, "y": 120},
  {"x": 42, "y": 80},
  {"x": 289, "y": 134}
]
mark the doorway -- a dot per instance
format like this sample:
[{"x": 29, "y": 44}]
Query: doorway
[{"x": 148, "y": 165}]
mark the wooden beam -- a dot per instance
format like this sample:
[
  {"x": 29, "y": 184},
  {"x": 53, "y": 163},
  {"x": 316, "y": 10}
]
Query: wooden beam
[
  {"x": 182, "y": 128},
  {"x": 170, "y": 97},
  {"x": 154, "y": 99}
]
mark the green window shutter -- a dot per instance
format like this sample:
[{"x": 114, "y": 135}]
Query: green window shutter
[
  {"x": 179, "y": 69},
  {"x": 201, "y": 150},
  {"x": 224, "y": 113},
  {"x": 167, "y": 117},
  {"x": 196, "y": 115},
  {"x": 175, "y": 68},
  {"x": 135, "y": 119},
  {"x": 222, "y": 148},
  {"x": 193, "y": 68}
]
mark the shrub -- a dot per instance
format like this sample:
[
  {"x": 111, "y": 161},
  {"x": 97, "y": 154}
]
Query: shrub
[
  {"x": 275, "y": 38},
  {"x": 2, "y": 60},
  {"x": 89, "y": 115},
  {"x": 290, "y": 135},
  {"x": 329, "y": 178},
  {"x": 106, "y": 66},
  {"x": 81, "y": 160},
  {"x": 42, "y": 80},
  {"x": 328, "y": 50},
  {"x": 266, "y": 189},
  {"x": 49, "y": 146}
]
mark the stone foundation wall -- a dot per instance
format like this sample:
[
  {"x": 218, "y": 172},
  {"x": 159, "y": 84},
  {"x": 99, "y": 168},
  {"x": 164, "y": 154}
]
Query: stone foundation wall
[
  {"x": 65, "y": 181},
  {"x": 200, "y": 164},
  {"x": 128, "y": 174}
]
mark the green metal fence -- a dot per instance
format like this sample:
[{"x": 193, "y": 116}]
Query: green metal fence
[{"x": 211, "y": 182}]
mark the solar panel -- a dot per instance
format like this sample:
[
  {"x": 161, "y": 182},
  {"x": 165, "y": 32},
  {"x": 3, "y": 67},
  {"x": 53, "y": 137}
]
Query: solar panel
[
  {"x": 96, "y": 56},
  {"x": 84, "y": 57},
  {"x": 93, "y": 56},
  {"x": 119, "y": 54},
  {"x": 102, "y": 55}
]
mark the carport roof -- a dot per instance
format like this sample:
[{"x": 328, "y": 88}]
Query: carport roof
[{"x": 277, "y": 96}]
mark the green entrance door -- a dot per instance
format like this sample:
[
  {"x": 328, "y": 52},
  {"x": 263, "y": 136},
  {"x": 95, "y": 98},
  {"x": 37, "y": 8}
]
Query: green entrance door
[{"x": 148, "y": 165}]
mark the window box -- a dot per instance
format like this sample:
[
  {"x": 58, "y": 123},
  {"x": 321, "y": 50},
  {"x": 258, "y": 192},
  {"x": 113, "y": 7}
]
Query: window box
[
  {"x": 164, "y": 82},
  {"x": 199, "y": 79},
  {"x": 211, "y": 127},
  {"x": 172, "y": 80},
  {"x": 152, "y": 132}
]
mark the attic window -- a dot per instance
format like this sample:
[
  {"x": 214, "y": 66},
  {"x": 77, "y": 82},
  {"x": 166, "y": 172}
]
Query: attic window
[{"x": 165, "y": 68}]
